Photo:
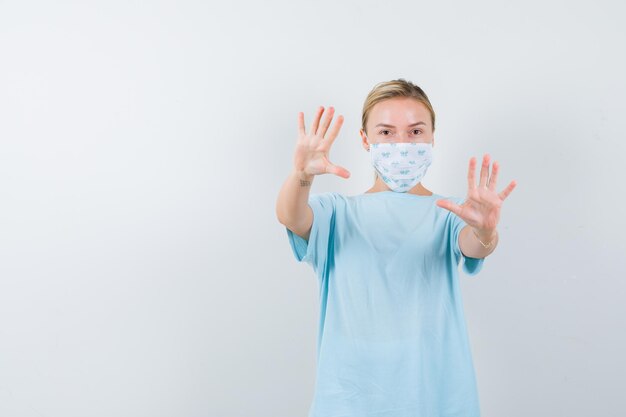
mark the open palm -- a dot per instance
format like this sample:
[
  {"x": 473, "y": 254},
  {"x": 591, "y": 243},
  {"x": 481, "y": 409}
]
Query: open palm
[
  {"x": 481, "y": 208},
  {"x": 311, "y": 155}
]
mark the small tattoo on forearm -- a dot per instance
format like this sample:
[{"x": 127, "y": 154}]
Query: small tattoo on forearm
[{"x": 305, "y": 183}]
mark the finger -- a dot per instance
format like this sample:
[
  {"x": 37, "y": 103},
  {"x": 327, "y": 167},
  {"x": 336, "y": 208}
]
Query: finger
[
  {"x": 484, "y": 171},
  {"x": 449, "y": 205},
  {"x": 471, "y": 180},
  {"x": 326, "y": 122},
  {"x": 337, "y": 170},
  {"x": 494, "y": 176},
  {"x": 301, "y": 130},
  {"x": 316, "y": 120},
  {"x": 505, "y": 193},
  {"x": 334, "y": 131}
]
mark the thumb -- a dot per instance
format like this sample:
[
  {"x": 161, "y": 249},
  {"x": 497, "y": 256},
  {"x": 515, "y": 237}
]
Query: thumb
[
  {"x": 337, "y": 170},
  {"x": 449, "y": 205}
]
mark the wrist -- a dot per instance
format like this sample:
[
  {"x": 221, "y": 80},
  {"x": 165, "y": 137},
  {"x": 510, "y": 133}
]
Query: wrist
[
  {"x": 485, "y": 237},
  {"x": 303, "y": 176}
]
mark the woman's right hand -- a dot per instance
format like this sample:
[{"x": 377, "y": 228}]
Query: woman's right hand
[{"x": 311, "y": 156}]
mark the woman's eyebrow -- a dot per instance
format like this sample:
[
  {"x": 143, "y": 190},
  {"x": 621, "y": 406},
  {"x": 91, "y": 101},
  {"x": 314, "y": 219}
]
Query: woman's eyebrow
[{"x": 386, "y": 125}]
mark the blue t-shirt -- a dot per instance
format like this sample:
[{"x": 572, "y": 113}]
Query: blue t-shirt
[{"x": 392, "y": 339}]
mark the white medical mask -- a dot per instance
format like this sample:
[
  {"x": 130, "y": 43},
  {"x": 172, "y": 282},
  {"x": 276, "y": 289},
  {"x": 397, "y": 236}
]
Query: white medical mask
[{"x": 401, "y": 165}]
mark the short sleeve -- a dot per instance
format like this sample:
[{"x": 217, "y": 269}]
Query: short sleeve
[
  {"x": 315, "y": 251},
  {"x": 471, "y": 266}
]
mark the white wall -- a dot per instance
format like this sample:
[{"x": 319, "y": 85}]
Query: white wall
[{"x": 143, "y": 144}]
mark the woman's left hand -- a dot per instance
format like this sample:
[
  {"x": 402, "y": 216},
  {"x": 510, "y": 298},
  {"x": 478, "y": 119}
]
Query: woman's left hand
[{"x": 481, "y": 208}]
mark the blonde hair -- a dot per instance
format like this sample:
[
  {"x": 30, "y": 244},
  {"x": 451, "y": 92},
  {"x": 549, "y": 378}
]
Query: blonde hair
[{"x": 395, "y": 88}]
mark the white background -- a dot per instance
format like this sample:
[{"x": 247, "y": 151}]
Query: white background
[{"x": 142, "y": 146}]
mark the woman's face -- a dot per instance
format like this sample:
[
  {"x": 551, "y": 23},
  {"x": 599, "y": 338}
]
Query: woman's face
[{"x": 399, "y": 119}]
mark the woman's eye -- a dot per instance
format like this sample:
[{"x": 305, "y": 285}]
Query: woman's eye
[
  {"x": 416, "y": 130},
  {"x": 384, "y": 131}
]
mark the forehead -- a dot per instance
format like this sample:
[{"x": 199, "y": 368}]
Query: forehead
[{"x": 399, "y": 111}]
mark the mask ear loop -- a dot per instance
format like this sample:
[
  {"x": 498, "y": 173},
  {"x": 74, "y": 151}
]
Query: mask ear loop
[{"x": 368, "y": 149}]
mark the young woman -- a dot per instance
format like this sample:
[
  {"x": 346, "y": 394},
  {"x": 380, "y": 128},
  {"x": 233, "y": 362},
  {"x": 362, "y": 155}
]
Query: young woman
[{"x": 392, "y": 339}]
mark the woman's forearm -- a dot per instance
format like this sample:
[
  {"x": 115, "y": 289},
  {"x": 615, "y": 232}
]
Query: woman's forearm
[
  {"x": 292, "y": 205},
  {"x": 471, "y": 245}
]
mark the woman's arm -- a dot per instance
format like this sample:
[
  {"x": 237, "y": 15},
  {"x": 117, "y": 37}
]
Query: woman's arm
[
  {"x": 292, "y": 207},
  {"x": 471, "y": 245},
  {"x": 480, "y": 210},
  {"x": 310, "y": 159}
]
